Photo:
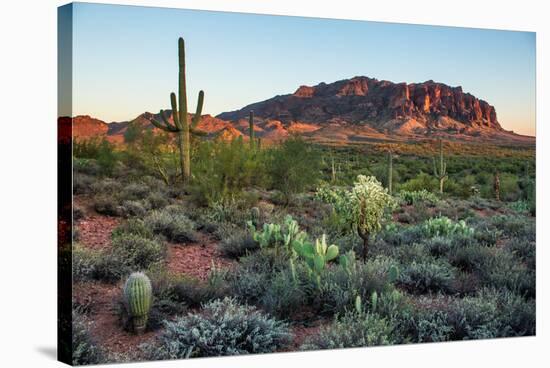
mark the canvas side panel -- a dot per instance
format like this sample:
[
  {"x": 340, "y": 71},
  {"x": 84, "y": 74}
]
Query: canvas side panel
[{"x": 64, "y": 180}]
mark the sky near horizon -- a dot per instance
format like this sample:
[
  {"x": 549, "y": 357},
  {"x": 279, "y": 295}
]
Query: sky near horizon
[{"x": 125, "y": 59}]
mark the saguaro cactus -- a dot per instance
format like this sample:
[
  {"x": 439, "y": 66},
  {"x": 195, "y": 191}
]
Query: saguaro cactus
[
  {"x": 441, "y": 172},
  {"x": 138, "y": 298},
  {"x": 251, "y": 128},
  {"x": 181, "y": 125},
  {"x": 390, "y": 172}
]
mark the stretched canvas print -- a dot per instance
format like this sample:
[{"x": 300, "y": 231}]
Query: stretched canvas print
[{"x": 241, "y": 184}]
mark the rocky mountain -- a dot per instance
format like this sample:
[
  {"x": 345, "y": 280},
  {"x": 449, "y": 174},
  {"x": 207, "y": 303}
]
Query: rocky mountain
[
  {"x": 85, "y": 126},
  {"x": 355, "y": 110},
  {"x": 380, "y": 107}
]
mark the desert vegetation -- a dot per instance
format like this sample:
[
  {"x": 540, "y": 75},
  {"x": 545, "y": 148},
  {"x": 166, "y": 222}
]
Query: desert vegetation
[{"x": 186, "y": 246}]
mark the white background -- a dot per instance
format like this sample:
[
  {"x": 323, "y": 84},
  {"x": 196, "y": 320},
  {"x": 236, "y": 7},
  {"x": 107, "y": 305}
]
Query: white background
[{"x": 28, "y": 180}]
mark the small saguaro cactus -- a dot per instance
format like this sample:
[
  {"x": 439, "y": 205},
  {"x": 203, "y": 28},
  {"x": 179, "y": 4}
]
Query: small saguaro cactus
[
  {"x": 181, "y": 125},
  {"x": 138, "y": 299},
  {"x": 251, "y": 128},
  {"x": 441, "y": 172},
  {"x": 390, "y": 172}
]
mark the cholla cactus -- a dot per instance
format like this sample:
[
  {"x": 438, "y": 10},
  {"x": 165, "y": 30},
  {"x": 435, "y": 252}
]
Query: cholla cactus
[
  {"x": 370, "y": 201},
  {"x": 138, "y": 299}
]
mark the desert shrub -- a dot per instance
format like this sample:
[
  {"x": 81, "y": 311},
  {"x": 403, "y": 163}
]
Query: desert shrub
[
  {"x": 85, "y": 350},
  {"x": 439, "y": 245},
  {"x": 137, "y": 253},
  {"x": 130, "y": 208},
  {"x": 107, "y": 186},
  {"x": 471, "y": 258},
  {"x": 342, "y": 284},
  {"x": 474, "y": 318},
  {"x": 283, "y": 297},
  {"x": 86, "y": 166},
  {"x": 421, "y": 182},
  {"x": 293, "y": 167},
  {"x": 248, "y": 285},
  {"x": 157, "y": 200},
  {"x": 85, "y": 263},
  {"x": 503, "y": 271},
  {"x": 222, "y": 328},
  {"x": 524, "y": 250},
  {"x": 515, "y": 226},
  {"x": 427, "y": 276},
  {"x": 172, "y": 223},
  {"x": 352, "y": 330},
  {"x": 222, "y": 169},
  {"x": 429, "y": 326},
  {"x": 107, "y": 205},
  {"x": 238, "y": 245},
  {"x": 82, "y": 183},
  {"x": 134, "y": 227},
  {"x": 134, "y": 191},
  {"x": 414, "y": 197},
  {"x": 396, "y": 235},
  {"x": 78, "y": 212},
  {"x": 443, "y": 226},
  {"x": 406, "y": 254}
]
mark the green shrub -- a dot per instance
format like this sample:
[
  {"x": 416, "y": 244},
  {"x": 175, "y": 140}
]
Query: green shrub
[
  {"x": 172, "y": 223},
  {"x": 157, "y": 200},
  {"x": 85, "y": 263},
  {"x": 430, "y": 326},
  {"x": 427, "y": 276},
  {"x": 223, "y": 169},
  {"x": 132, "y": 208},
  {"x": 82, "y": 183},
  {"x": 293, "y": 167},
  {"x": 134, "y": 227},
  {"x": 107, "y": 205},
  {"x": 85, "y": 350},
  {"x": 238, "y": 245},
  {"x": 352, "y": 330},
  {"x": 341, "y": 285},
  {"x": 283, "y": 297},
  {"x": 524, "y": 250},
  {"x": 137, "y": 253},
  {"x": 107, "y": 186},
  {"x": 414, "y": 197},
  {"x": 222, "y": 328},
  {"x": 134, "y": 191},
  {"x": 421, "y": 182}
]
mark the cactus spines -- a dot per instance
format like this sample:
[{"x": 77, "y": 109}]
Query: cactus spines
[
  {"x": 138, "y": 299},
  {"x": 181, "y": 125},
  {"x": 390, "y": 172},
  {"x": 441, "y": 172},
  {"x": 251, "y": 128}
]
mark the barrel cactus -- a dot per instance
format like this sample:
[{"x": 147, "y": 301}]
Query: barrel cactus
[{"x": 138, "y": 299}]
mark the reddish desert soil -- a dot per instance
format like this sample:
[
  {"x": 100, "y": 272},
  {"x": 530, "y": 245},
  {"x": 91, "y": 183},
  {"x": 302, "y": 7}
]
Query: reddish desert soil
[
  {"x": 301, "y": 333},
  {"x": 105, "y": 328},
  {"x": 100, "y": 299},
  {"x": 95, "y": 231},
  {"x": 196, "y": 259}
]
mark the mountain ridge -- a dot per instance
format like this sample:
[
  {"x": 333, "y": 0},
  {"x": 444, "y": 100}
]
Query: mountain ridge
[{"x": 355, "y": 110}]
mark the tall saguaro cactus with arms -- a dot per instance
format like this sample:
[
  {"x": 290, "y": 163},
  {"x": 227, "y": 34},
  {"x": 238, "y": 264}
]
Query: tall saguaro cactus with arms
[{"x": 181, "y": 125}]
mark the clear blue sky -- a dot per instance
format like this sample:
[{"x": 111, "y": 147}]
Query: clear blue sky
[{"x": 125, "y": 59}]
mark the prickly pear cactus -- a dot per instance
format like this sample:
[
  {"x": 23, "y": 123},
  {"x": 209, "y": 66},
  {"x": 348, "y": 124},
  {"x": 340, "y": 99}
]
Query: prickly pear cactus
[{"x": 138, "y": 299}]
